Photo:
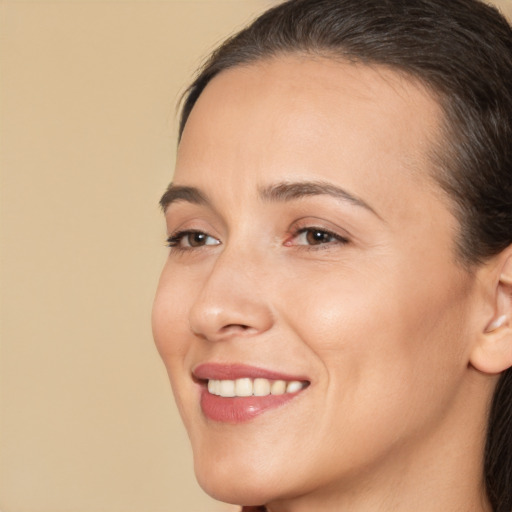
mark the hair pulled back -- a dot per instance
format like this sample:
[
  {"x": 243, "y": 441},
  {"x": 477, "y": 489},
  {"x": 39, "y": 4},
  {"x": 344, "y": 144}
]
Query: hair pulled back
[{"x": 461, "y": 50}]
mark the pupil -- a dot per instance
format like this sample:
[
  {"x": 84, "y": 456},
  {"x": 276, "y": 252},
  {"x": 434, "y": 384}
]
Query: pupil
[
  {"x": 316, "y": 237},
  {"x": 197, "y": 239}
]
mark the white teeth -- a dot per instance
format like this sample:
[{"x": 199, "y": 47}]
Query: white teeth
[
  {"x": 243, "y": 387},
  {"x": 261, "y": 387},
  {"x": 278, "y": 387},
  {"x": 256, "y": 387},
  {"x": 227, "y": 388},
  {"x": 293, "y": 386}
]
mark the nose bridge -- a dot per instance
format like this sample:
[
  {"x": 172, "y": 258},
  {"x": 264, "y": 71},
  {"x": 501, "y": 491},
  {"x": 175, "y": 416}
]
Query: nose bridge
[{"x": 232, "y": 300}]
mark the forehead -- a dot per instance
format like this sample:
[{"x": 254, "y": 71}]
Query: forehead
[{"x": 298, "y": 117}]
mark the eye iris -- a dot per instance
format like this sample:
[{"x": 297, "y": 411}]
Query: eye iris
[
  {"x": 315, "y": 237},
  {"x": 196, "y": 239}
]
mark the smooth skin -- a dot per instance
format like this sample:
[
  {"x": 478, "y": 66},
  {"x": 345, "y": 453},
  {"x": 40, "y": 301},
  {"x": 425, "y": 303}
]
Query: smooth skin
[{"x": 361, "y": 293}]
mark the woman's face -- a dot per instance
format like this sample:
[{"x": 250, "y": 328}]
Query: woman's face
[{"x": 310, "y": 244}]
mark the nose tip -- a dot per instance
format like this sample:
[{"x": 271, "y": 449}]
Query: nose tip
[
  {"x": 230, "y": 305},
  {"x": 229, "y": 317}
]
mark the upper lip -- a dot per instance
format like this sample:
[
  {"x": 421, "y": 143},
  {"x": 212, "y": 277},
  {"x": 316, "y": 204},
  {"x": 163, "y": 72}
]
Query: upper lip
[{"x": 220, "y": 371}]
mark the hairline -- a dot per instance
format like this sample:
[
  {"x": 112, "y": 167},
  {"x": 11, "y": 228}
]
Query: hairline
[{"x": 441, "y": 146}]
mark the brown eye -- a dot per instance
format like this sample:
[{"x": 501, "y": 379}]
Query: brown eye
[
  {"x": 312, "y": 237},
  {"x": 191, "y": 240},
  {"x": 317, "y": 237},
  {"x": 196, "y": 239}
]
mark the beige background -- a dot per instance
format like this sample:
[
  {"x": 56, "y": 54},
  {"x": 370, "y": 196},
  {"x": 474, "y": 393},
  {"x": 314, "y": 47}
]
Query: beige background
[{"x": 87, "y": 134}]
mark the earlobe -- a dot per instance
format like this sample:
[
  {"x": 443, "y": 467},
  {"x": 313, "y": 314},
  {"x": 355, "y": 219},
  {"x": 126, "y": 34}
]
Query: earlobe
[{"x": 492, "y": 352}]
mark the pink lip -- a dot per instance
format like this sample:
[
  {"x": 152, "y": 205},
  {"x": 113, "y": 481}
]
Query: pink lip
[
  {"x": 239, "y": 409},
  {"x": 219, "y": 371}
]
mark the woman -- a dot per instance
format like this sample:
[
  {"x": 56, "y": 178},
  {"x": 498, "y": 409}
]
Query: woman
[{"x": 335, "y": 312}]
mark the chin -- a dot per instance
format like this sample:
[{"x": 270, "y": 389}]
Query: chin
[
  {"x": 247, "y": 490},
  {"x": 238, "y": 479}
]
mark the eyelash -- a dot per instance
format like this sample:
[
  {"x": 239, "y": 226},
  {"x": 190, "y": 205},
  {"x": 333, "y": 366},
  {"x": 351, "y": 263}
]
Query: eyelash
[
  {"x": 173, "y": 241},
  {"x": 338, "y": 239}
]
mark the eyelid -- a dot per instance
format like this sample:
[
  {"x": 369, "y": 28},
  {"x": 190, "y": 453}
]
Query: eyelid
[
  {"x": 174, "y": 239},
  {"x": 313, "y": 223},
  {"x": 338, "y": 239},
  {"x": 184, "y": 216}
]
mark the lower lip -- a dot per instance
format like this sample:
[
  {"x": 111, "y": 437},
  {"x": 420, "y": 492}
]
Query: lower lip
[{"x": 240, "y": 409}]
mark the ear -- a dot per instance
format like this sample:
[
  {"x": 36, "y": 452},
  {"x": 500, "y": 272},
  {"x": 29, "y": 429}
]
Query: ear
[{"x": 492, "y": 352}]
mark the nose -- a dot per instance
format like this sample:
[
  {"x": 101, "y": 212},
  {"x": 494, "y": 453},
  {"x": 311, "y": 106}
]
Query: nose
[{"x": 232, "y": 301}]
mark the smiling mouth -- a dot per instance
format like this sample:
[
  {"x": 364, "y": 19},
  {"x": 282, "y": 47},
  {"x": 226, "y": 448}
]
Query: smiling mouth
[
  {"x": 246, "y": 387},
  {"x": 235, "y": 393}
]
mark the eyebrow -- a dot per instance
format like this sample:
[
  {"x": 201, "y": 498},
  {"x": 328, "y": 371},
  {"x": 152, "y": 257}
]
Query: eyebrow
[
  {"x": 279, "y": 192},
  {"x": 176, "y": 193},
  {"x": 288, "y": 191}
]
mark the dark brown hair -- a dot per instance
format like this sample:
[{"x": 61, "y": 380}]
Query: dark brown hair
[{"x": 461, "y": 50}]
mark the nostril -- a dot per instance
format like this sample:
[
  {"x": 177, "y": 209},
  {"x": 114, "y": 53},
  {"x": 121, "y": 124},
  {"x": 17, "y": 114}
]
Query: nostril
[
  {"x": 236, "y": 328},
  {"x": 228, "y": 331}
]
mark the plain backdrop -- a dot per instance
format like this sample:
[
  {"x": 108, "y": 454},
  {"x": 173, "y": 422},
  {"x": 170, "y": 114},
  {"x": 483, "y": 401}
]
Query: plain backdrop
[{"x": 88, "y": 91}]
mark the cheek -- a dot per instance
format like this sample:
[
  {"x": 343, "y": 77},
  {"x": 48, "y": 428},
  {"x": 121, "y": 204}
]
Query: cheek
[
  {"x": 170, "y": 323},
  {"x": 170, "y": 317},
  {"x": 385, "y": 339},
  {"x": 392, "y": 362}
]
